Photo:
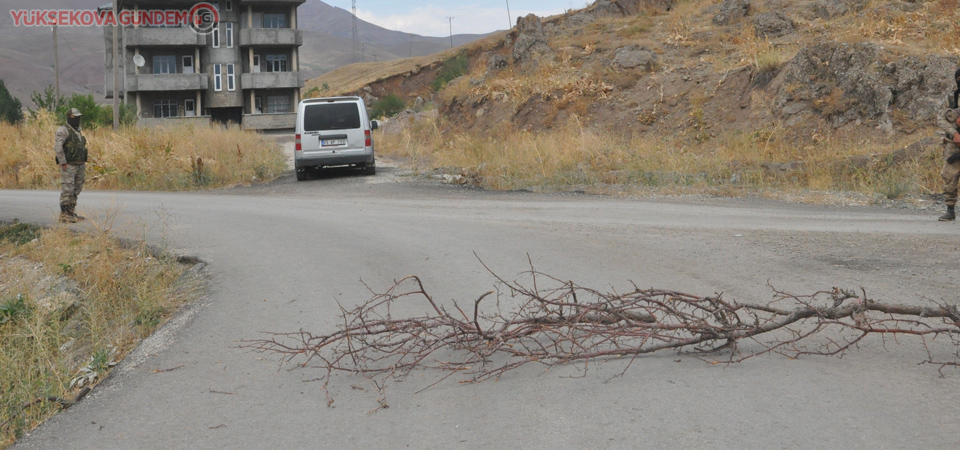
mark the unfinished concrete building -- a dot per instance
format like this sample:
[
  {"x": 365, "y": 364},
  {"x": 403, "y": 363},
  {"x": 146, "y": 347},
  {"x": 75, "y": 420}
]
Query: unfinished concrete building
[{"x": 246, "y": 71}]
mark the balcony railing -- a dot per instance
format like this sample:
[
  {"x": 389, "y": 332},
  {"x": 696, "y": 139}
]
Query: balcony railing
[
  {"x": 271, "y": 80},
  {"x": 266, "y": 37},
  {"x": 168, "y": 82},
  {"x": 163, "y": 37}
]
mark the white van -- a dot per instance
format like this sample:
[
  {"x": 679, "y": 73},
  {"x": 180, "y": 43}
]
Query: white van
[{"x": 333, "y": 131}]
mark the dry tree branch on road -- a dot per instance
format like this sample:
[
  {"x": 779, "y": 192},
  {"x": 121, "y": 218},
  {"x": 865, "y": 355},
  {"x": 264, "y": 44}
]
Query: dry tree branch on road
[{"x": 568, "y": 323}]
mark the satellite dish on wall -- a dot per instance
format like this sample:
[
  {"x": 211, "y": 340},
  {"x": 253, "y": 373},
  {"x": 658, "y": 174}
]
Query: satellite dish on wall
[{"x": 139, "y": 61}]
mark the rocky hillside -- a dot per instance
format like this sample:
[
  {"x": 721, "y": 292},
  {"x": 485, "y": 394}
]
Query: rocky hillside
[{"x": 695, "y": 71}]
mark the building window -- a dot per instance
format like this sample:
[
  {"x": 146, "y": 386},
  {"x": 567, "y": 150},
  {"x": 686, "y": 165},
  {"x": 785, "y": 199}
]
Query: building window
[
  {"x": 229, "y": 37},
  {"x": 217, "y": 78},
  {"x": 229, "y": 5},
  {"x": 231, "y": 78},
  {"x": 216, "y": 35},
  {"x": 278, "y": 104},
  {"x": 164, "y": 64},
  {"x": 258, "y": 105},
  {"x": 164, "y": 108},
  {"x": 274, "y": 20},
  {"x": 276, "y": 63}
]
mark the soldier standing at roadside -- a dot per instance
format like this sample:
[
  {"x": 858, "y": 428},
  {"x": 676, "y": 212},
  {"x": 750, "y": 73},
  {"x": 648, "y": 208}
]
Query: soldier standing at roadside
[
  {"x": 71, "y": 149},
  {"x": 949, "y": 121}
]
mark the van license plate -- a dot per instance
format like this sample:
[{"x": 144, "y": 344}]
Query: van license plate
[{"x": 332, "y": 142}]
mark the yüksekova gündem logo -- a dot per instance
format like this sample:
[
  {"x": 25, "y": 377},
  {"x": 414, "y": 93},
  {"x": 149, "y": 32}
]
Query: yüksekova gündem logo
[{"x": 202, "y": 17}]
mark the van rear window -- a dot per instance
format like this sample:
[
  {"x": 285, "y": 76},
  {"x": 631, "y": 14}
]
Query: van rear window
[{"x": 331, "y": 116}]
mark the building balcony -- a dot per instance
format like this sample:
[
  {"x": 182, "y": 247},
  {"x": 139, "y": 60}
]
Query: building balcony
[
  {"x": 168, "y": 82},
  {"x": 163, "y": 37},
  {"x": 271, "y": 37},
  {"x": 271, "y": 80}
]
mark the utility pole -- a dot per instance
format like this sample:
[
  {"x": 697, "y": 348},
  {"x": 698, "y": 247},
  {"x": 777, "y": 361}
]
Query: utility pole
[
  {"x": 116, "y": 66},
  {"x": 509, "y": 16},
  {"x": 357, "y": 56},
  {"x": 56, "y": 61},
  {"x": 450, "y": 18}
]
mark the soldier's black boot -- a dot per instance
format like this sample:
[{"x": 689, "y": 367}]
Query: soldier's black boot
[
  {"x": 65, "y": 216},
  {"x": 950, "y": 215}
]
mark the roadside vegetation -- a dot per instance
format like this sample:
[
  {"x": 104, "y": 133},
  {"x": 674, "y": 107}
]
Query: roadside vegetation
[
  {"x": 388, "y": 106},
  {"x": 168, "y": 159},
  {"x": 574, "y": 156},
  {"x": 72, "y": 305}
]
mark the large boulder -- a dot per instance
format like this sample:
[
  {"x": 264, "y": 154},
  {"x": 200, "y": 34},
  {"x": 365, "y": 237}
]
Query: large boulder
[
  {"x": 731, "y": 11},
  {"x": 838, "y": 81},
  {"x": 633, "y": 56},
  {"x": 828, "y": 9},
  {"x": 531, "y": 44},
  {"x": 628, "y": 7},
  {"x": 773, "y": 24},
  {"x": 920, "y": 83},
  {"x": 846, "y": 83},
  {"x": 497, "y": 62}
]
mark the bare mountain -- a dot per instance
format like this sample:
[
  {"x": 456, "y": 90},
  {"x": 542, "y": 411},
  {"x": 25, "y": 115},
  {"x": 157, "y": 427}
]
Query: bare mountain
[
  {"x": 26, "y": 54},
  {"x": 319, "y": 16}
]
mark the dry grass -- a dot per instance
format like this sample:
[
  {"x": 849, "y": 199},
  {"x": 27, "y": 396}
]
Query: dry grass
[
  {"x": 933, "y": 27},
  {"x": 120, "y": 296},
  {"x": 576, "y": 156},
  {"x": 141, "y": 158}
]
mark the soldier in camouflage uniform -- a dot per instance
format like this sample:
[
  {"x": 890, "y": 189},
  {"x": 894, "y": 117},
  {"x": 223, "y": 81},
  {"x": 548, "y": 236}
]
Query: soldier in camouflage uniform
[
  {"x": 949, "y": 122},
  {"x": 71, "y": 149}
]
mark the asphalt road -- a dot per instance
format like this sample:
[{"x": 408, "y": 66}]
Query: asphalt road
[{"x": 282, "y": 256}]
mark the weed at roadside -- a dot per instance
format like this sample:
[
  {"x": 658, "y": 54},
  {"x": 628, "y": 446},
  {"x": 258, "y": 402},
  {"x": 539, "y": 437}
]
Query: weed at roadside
[{"x": 78, "y": 303}]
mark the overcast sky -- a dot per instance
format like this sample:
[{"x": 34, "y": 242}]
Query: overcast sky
[{"x": 429, "y": 17}]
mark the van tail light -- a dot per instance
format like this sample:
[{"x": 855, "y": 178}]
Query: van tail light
[
  {"x": 368, "y": 142},
  {"x": 299, "y": 146}
]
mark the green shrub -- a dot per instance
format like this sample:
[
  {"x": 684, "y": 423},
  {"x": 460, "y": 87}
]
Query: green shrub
[
  {"x": 388, "y": 106},
  {"x": 13, "y": 308},
  {"x": 453, "y": 68},
  {"x": 313, "y": 92},
  {"x": 19, "y": 233},
  {"x": 94, "y": 114}
]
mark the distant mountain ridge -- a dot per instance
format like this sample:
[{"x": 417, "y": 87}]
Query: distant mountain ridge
[{"x": 26, "y": 54}]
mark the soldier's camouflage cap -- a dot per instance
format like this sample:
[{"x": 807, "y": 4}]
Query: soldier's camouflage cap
[{"x": 74, "y": 112}]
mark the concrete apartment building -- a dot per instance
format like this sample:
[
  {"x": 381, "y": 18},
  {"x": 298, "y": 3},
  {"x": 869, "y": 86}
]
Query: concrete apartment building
[{"x": 246, "y": 71}]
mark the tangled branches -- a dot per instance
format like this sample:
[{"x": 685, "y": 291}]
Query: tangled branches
[{"x": 568, "y": 323}]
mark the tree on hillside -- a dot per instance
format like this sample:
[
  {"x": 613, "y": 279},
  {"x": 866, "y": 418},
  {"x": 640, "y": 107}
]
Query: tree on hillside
[{"x": 11, "y": 110}]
